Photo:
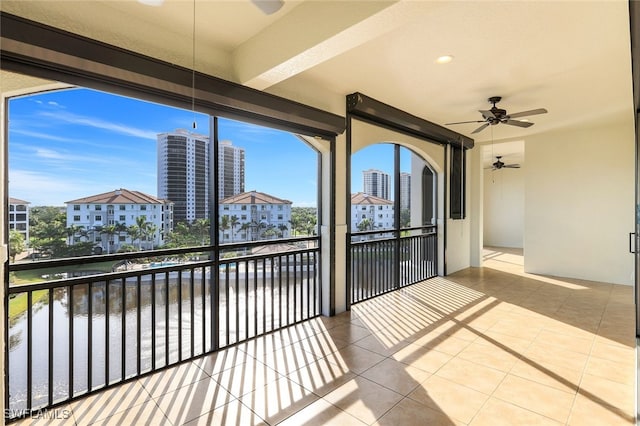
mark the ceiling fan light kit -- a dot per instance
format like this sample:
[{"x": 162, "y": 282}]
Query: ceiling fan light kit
[
  {"x": 268, "y": 7},
  {"x": 496, "y": 115}
]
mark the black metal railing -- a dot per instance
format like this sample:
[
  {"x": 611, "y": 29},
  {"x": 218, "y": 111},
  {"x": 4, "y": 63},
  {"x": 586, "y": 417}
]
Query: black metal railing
[
  {"x": 72, "y": 336},
  {"x": 385, "y": 260}
]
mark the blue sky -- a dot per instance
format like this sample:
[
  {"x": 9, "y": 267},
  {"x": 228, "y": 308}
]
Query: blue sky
[{"x": 73, "y": 143}]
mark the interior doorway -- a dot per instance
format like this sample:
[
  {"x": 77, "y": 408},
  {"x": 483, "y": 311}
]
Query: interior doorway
[{"x": 503, "y": 167}]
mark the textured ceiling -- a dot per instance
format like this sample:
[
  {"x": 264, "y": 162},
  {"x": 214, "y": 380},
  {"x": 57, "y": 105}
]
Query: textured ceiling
[{"x": 572, "y": 58}]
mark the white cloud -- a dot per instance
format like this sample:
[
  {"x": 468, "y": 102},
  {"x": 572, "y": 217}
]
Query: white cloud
[
  {"x": 43, "y": 189},
  {"x": 50, "y": 154},
  {"x": 39, "y": 135},
  {"x": 100, "y": 124}
]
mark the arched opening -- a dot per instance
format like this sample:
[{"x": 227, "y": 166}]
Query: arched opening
[{"x": 393, "y": 238}]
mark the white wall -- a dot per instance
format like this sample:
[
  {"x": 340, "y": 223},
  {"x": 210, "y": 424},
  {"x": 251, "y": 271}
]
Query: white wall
[
  {"x": 504, "y": 207},
  {"x": 579, "y": 192}
]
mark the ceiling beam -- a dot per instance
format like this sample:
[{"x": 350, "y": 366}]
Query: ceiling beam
[{"x": 313, "y": 33}]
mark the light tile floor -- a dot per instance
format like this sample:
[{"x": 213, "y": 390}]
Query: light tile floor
[{"x": 485, "y": 346}]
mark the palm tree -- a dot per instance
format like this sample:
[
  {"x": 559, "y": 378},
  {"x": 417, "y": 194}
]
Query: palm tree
[
  {"x": 142, "y": 225},
  {"x": 72, "y": 230},
  {"x": 282, "y": 227},
  {"x": 151, "y": 232},
  {"x": 244, "y": 227},
  {"x": 365, "y": 224},
  {"x": 84, "y": 233},
  {"x": 295, "y": 223},
  {"x": 253, "y": 225},
  {"x": 262, "y": 227},
  {"x": 234, "y": 222},
  {"x": 97, "y": 230},
  {"x": 224, "y": 224},
  {"x": 110, "y": 231},
  {"x": 270, "y": 231},
  {"x": 200, "y": 228},
  {"x": 134, "y": 234},
  {"x": 121, "y": 228}
]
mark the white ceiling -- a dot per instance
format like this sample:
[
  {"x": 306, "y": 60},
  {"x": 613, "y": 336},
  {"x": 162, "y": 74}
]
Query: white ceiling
[{"x": 570, "y": 57}]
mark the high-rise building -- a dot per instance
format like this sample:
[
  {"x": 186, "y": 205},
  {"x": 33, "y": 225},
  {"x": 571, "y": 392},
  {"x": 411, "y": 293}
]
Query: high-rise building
[
  {"x": 230, "y": 170},
  {"x": 183, "y": 172},
  {"x": 405, "y": 191},
  {"x": 376, "y": 183}
]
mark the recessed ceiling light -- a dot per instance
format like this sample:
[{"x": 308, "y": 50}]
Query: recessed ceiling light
[{"x": 444, "y": 59}]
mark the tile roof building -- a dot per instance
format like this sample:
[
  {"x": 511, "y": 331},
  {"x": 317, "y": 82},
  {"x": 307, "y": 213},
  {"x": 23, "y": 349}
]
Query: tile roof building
[
  {"x": 94, "y": 216},
  {"x": 257, "y": 216},
  {"x": 369, "y": 212},
  {"x": 19, "y": 217}
]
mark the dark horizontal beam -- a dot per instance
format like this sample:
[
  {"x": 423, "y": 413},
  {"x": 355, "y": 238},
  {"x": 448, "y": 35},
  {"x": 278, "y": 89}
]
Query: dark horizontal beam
[
  {"x": 363, "y": 106},
  {"x": 36, "y": 49}
]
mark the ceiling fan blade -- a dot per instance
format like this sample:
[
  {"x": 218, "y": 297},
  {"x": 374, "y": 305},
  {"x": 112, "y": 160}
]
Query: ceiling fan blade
[
  {"x": 526, "y": 113},
  {"x": 481, "y": 128},
  {"x": 511, "y": 166},
  {"x": 465, "y": 122},
  {"x": 518, "y": 123},
  {"x": 487, "y": 114}
]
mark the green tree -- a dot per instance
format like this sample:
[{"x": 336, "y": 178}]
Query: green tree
[
  {"x": 244, "y": 228},
  {"x": 270, "y": 232},
  {"x": 234, "y": 221},
  {"x": 150, "y": 232},
  {"x": 365, "y": 225},
  {"x": 109, "y": 231},
  {"x": 200, "y": 229},
  {"x": 72, "y": 231},
  {"x": 121, "y": 229},
  {"x": 135, "y": 233},
  {"x": 405, "y": 218},
  {"x": 180, "y": 236},
  {"x": 47, "y": 228},
  {"x": 225, "y": 224},
  {"x": 304, "y": 219},
  {"x": 16, "y": 244},
  {"x": 126, "y": 248}
]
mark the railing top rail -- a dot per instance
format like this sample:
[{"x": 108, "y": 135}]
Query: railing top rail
[
  {"x": 177, "y": 267},
  {"x": 49, "y": 263},
  {"x": 431, "y": 228}
]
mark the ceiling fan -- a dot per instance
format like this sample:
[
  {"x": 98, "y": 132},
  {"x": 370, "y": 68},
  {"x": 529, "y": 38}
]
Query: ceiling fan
[
  {"x": 496, "y": 115},
  {"x": 498, "y": 164}
]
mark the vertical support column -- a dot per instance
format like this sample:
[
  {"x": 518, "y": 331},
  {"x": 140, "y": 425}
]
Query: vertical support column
[
  {"x": 213, "y": 233},
  {"x": 4, "y": 255},
  {"x": 476, "y": 193},
  {"x": 396, "y": 215},
  {"x": 347, "y": 210}
]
